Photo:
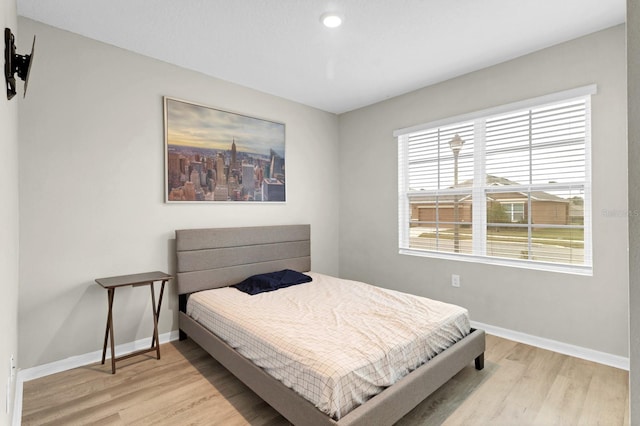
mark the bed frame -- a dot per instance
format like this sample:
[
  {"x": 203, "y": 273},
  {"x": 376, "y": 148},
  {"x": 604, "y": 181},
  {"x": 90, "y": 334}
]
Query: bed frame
[{"x": 219, "y": 257}]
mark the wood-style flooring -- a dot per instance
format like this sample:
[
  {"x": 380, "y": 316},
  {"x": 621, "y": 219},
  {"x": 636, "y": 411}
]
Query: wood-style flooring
[{"x": 520, "y": 385}]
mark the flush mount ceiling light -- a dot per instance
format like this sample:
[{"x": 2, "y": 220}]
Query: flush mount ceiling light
[{"x": 331, "y": 20}]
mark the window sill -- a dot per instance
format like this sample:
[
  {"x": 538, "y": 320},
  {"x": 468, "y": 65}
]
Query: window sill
[{"x": 539, "y": 266}]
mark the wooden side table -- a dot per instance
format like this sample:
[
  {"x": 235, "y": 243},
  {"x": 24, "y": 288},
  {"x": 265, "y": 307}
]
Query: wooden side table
[{"x": 135, "y": 280}]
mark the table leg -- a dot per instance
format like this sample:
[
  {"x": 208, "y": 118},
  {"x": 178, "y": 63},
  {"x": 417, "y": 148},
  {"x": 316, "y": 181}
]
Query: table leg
[
  {"x": 154, "y": 339},
  {"x": 106, "y": 332},
  {"x": 112, "y": 292}
]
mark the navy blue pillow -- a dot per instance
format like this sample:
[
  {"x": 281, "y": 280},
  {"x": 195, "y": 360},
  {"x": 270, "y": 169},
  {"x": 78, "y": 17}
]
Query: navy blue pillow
[{"x": 271, "y": 281}]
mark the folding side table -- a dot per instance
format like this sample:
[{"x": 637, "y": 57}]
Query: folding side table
[{"x": 135, "y": 280}]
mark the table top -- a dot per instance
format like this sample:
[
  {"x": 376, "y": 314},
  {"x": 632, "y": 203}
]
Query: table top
[{"x": 144, "y": 278}]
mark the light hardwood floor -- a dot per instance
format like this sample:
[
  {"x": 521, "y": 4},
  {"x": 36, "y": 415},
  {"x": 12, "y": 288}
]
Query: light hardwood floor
[{"x": 520, "y": 385}]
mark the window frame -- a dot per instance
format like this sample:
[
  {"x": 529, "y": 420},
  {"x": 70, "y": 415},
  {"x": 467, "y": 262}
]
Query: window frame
[{"x": 479, "y": 217}]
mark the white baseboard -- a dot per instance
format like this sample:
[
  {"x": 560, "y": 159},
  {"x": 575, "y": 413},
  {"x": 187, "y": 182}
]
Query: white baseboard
[
  {"x": 17, "y": 402},
  {"x": 555, "y": 346},
  {"x": 75, "y": 362}
]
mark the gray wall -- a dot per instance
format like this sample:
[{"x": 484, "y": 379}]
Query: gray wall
[
  {"x": 590, "y": 312},
  {"x": 633, "y": 76},
  {"x": 92, "y": 188},
  {"x": 8, "y": 219}
]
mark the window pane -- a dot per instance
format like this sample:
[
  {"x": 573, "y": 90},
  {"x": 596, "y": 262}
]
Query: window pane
[
  {"x": 507, "y": 148},
  {"x": 557, "y": 207},
  {"x": 441, "y": 223},
  {"x": 558, "y": 164},
  {"x": 510, "y": 235},
  {"x": 432, "y": 158},
  {"x": 510, "y": 242},
  {"x": 558, "y": 143},
  {"x": 543, "y": 145},
  {"x": 558, "y": 245},
  {"x": 508, "y": 168}
]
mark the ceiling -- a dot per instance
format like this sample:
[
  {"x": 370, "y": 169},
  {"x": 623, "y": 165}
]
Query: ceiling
[{"x": 383, "y": 49}]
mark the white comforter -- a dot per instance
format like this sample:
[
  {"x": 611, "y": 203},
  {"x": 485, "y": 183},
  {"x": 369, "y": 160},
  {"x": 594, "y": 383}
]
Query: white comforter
[{"x": 335, "y": 342}]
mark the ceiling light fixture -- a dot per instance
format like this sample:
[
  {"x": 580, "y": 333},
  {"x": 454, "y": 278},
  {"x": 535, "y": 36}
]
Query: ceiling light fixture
[{"x": 331, "y": 20}]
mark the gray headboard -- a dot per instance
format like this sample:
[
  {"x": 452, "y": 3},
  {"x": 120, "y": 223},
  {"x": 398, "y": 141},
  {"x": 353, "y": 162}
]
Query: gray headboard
[{"x": 218, "y": 257}]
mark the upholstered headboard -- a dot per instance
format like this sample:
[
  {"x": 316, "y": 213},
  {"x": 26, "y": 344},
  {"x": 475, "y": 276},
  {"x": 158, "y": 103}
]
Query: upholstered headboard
[{"x": 218, "y": 257}]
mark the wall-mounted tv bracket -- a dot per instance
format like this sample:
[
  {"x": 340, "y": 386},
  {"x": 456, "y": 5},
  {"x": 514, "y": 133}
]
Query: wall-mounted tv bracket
[{"x": 14, "y": 63}]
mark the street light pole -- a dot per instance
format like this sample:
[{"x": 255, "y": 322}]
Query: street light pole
[{"x": 456, "y": 145}]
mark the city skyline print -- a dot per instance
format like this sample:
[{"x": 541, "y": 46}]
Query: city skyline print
[{"x": 212, "y": 155}]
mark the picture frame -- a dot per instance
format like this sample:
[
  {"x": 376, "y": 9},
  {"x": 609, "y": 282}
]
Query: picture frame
[{"x": 218, "y": 156}]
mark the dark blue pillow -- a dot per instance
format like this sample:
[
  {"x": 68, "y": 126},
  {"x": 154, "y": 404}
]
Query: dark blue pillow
[{"x": 272, "y": 281}]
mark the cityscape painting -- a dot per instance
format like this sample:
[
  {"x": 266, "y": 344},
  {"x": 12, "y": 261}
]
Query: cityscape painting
[{"x": 219, "y": 156}]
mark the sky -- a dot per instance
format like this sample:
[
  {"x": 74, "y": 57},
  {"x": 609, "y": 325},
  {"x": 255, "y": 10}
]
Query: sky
[{"x": 206, "y": 127}]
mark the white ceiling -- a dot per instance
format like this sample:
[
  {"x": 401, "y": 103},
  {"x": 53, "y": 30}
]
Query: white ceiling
[{"x": 384, "y": 47}]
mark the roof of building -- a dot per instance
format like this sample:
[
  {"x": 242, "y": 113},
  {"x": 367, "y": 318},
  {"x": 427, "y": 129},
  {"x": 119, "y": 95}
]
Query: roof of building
[{"x": 500, "y": 181}]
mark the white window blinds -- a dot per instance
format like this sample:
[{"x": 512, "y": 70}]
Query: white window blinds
[{"x": 512, "y": 185}]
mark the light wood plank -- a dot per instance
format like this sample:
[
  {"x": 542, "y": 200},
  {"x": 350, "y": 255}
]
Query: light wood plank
[
  {"x": 520, "y": 385},
  {"x": 499, "y": 386},
  {"x": 605, "y": 405},
  {"x": 566, "y": 398},
  {"x": 526, "y": 397}
]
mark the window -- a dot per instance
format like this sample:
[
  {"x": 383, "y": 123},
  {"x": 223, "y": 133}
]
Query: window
[
  {"x": 510, "y": 185},
  {"x": 514, "y": 211}
]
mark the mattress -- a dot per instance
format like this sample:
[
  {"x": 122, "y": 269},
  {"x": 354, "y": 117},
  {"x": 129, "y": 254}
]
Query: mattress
[{"x": 335, "y": 342}]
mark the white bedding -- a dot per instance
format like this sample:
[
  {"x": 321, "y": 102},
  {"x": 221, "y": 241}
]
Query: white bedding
[{"x": 335, "y": 342}]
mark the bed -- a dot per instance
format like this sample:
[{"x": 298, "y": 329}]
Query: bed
[{"x": 219, "y": 257}]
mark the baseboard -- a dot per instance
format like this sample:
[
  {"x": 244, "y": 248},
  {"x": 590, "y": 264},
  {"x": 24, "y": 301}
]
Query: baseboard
[
  {"x": 74, "y": 362},
  {"x": 17, "y": 402},
  {"x": 555, "y": 346}
]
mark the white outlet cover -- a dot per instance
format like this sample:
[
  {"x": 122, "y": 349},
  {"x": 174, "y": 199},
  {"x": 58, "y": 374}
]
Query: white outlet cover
[{"x": 455, "y": 280}]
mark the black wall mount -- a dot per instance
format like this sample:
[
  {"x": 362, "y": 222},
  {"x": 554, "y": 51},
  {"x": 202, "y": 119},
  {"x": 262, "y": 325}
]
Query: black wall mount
[{"x": 16, "y": 64}]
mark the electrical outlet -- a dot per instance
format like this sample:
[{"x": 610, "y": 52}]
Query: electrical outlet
[{"x": 455, "y": 280}]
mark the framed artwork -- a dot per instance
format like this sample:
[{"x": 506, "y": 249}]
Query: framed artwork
[{"x": 213, "y": 155}]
